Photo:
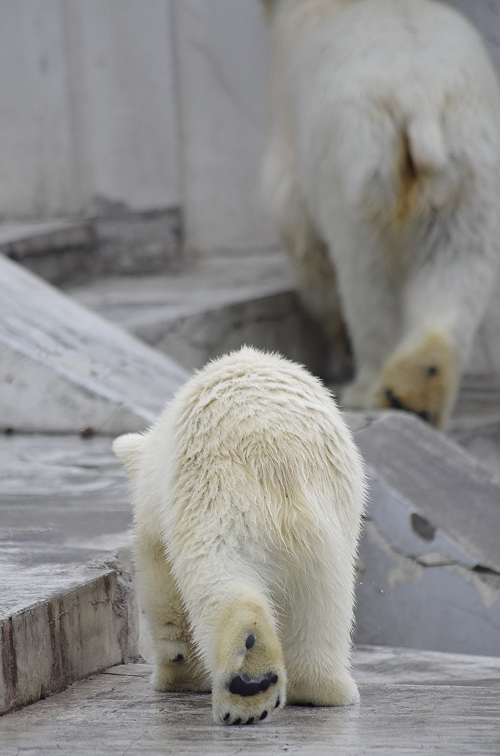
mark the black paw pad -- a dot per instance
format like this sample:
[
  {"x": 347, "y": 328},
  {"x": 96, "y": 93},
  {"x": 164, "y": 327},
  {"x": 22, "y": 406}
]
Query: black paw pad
[
  {"x": 250, "y": 721},
  {"x": 250, "y": 641},
  {"x": 237, "y": 721},
  {"x": 227, "y": 717},
  {"x": 263, "y": 715},
  {"x": 244, "y": 685},
  {"x": 277, "y": 703}
]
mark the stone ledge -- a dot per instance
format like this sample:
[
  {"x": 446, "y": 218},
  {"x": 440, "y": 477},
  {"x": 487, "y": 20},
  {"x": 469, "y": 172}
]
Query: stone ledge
[
  {"x": 218, "y": 303},
  {"x": 88, "y": 624},
  {"x": 57, "y": 250}
]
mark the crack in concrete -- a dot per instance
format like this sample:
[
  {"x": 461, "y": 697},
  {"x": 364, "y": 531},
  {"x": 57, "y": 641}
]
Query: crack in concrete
[{"x": 408, "y": 570}]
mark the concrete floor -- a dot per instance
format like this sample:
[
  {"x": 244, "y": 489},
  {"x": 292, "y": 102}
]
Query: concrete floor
[{"x": 412, "y": 702}]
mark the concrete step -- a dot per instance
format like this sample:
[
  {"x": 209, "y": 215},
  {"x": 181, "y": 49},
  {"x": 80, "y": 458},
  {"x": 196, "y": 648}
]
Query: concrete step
[
  {"x": 412, "y": 702},
  {"x": 215, "y": 304},
  {"x": 65, "y": 369},
  {"x": 57, "y": 251},
  {"x": 114, "y": 240}
]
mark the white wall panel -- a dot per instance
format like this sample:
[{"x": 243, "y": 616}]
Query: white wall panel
[
  {"x": 223, "y": 55},
  {"x": 35, "y": 129},
  {"x": 124, "y": 100},
  {"x": 88, "y": 105}
]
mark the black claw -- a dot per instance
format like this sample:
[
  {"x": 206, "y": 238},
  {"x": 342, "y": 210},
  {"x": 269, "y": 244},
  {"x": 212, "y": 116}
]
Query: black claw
[
  {"x": 250, "y": 721},
  {"x": 237, "y": 721},
  {"x": 396, "y": 403},
  {"x": 263, "y": 715},
  {"x": 424, "y": 415},
  {"x": 277, "y": 703},
  {"x": 393, "y": 400},
  {"x": 250, "y": 641},
  {"x": 227, "y": 717}
]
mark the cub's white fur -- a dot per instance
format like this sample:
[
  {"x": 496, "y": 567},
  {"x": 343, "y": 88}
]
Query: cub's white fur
[
  {"x": 248, "y": 495},
  {"x": 383, "y": 174}
]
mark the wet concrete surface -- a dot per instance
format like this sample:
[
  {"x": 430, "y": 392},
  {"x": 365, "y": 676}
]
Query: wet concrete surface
[{"x": 412, "y": 702}]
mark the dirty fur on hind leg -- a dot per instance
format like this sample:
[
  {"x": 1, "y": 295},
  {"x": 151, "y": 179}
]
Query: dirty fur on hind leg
[
  {"x": 422, "y": 379},
  {"x": 249, "y": 679},
  {"x": 176, "y": 664}
]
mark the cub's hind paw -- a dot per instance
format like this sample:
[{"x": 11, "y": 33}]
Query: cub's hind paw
[
  {"x": 177, "y": 669},
  {"x": 249, "y": 700},
  {"x": 250, "y": 682}
]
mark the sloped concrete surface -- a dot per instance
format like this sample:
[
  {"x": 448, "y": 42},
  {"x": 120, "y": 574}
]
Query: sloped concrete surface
[
  {"x": 430, "y": 554},
  {"x": 64, "y": 369},
  {"x": 412, "y": 702},
  {"x": 444, "y": 483}
]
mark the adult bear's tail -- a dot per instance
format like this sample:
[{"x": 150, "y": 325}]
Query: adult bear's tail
[{"x": 426, "y": 180}]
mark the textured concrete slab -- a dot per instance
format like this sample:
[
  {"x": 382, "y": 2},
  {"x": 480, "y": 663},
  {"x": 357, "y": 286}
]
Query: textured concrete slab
[
  {"x": 26, "y": 239},
  {"x": 65, "y": 369},
  {"x": 411, "y": 703},
  {"x": 429, "y": 555},
  {"x": 64, "y": 502}
]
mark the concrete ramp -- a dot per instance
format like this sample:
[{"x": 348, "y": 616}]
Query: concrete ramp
[{"x": 65, "y": 369}]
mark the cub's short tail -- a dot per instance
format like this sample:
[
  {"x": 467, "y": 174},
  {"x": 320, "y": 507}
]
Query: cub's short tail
[{"x": 128, "y": 448}]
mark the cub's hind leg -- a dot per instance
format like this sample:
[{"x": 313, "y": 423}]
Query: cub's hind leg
[
  {"x": 317, "y": 636},
  {"x": 176, "y": 665}
]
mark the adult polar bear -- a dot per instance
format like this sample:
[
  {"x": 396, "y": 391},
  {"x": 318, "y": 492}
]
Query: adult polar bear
[
  {"x": 248, "y": 495},
  {"x": 383, "y": 173}
]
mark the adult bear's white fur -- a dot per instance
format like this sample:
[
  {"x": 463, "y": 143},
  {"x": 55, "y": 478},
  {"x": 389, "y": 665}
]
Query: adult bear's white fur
[
  {"x": 248, "y": 494},
  {"x": 383, "y": 174}
]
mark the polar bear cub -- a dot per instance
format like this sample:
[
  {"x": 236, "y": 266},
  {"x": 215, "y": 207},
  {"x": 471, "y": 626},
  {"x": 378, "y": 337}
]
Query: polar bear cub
[
  {"x": 248, "y": 495},
  {"x": 383, "y": 176}
]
